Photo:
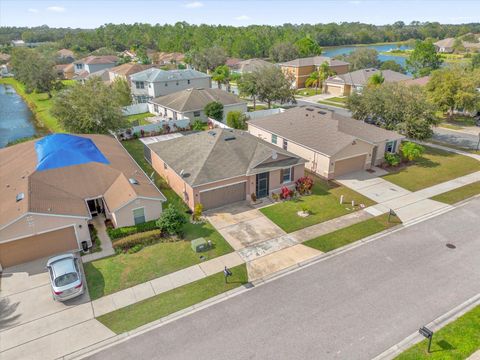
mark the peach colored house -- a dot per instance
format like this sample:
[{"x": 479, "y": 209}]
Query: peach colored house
[
  {"x": 53, "y": 187},
  {"x": 300, "y": 69},
  {"x": 223, "y": 166},
  {"x": 333, "y": 145}
]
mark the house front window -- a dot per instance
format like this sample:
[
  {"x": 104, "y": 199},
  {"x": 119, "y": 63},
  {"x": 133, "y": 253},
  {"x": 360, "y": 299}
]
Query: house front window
[
  {"x": 196, "y": 114},
  {"x": 390, "y": 146},
  {"x": 274, "y": 139},
  {"x": 188, "y": 81},
  {"x": 287, "y": 175},
  {"x": 79, "y": 66},
  {"x": 139, "y": 216},
  {"x": 285, "y": 144},
  {"x": 139, "y": 85}
]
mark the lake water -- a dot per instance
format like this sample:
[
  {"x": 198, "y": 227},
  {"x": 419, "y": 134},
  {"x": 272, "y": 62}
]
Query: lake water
[
  {"x": 16, "y": 119},
  {"x": 339, "y": 50}
]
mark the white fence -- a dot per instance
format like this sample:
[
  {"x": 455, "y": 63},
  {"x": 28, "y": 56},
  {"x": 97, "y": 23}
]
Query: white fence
[
  {"x": 162, "y": 127},
  {"x": 135, "y": 109},
  {"x": 262, "y": 113},
  {"x": 217, "y": 124}
]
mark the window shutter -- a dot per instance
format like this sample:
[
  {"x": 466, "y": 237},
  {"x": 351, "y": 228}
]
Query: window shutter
[
  {"x": 281, "y": 176},
  {"x": 293, "y": 174}
]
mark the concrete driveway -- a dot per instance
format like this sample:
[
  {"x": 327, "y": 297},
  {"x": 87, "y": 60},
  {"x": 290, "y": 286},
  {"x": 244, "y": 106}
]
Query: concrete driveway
[
  {"x": 242, "y": 225},
  {"x": 33, "y": 325}
]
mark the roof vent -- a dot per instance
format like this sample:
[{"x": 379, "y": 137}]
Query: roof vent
[
  {"x": 230, "y": 137},
  {"x": 212, "y": 133},
  {"x": 182, "y": 172},
  {"x": 309, "y": 109},
  {"x": 20, "y": 197},
  {"x": 133, "y": 181},
  {"x": 322, "y": 112}
]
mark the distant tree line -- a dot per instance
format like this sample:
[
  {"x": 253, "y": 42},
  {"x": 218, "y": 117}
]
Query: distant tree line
[{"x": 244, "y": 42}]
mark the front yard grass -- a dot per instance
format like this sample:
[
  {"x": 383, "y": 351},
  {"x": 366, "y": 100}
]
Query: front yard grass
[
  {"x": 108, "y": 275},
  {"x": 434, "y": 167},
  {"x": 154, "y": 308},
  {"x": 140, "y": 118},
  {"x": 457, "y": 340},
  {"x": 323, "y": 204},
  {"x": 352, "y": 233},
  {"x": 308, "y": 92},
  {"x": 459, "y": 194},
  {"x": 332, "y": 103}
]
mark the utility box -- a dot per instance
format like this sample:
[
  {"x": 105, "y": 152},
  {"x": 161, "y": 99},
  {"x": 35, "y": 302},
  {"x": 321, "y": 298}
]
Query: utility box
[{"x": 199, "y": 245}]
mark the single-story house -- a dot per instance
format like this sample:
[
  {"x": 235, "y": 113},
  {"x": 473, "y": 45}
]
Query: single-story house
[
  {"x": 222, "y": 166},
  {"x": 165, "y": 58},
  {"x": 344, "y": 84},
  {"x": 53, "y": 187},
  {"x": 65, "y": 71},
  {"x": 94, "y": 63},
  {"x": 153, "y": 82},
  {"x": 250, "y": 65},
  {"x": 4, "y": 58},
  {"x": 190, "y": 103},
  {"x": 445, "y": 45},
  {"x": 301, "y": 68},
  {"x": 332, "y": 144}
]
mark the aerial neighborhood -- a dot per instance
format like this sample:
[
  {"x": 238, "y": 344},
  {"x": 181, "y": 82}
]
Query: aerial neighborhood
[{"x": 213, "y": 190}]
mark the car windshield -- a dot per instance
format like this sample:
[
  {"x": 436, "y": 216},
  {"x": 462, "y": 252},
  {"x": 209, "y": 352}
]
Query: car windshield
[{"x": 66, "y": 279}]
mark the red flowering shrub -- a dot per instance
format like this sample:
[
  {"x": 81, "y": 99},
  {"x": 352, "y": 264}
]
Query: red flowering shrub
[
  {"x": 285, "y": 193},
  {"x": 304, "y": 184}
]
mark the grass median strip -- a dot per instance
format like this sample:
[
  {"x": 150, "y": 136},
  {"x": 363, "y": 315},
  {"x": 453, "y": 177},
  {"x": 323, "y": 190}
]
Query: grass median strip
[
  {"x": 457, "y": 340},
  {"x": 352, "y": 233},
  {"x": 159, "y": 306},
  {"x": 459, "y": 194}
]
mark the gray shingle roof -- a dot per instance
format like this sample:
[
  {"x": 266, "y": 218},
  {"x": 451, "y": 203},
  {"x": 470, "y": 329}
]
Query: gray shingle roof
[
  {"x": 314, "y": 60},
  {"x": 158, "y": 75},
  {"x": 219, "y": 154},
  {"x": 321, "y": 130},
  {"x": 195, "y": 99},
  {"x": 360, "y": 77}
]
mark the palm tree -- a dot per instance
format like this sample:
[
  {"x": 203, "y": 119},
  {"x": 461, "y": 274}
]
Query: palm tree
[
  {"x": 313, "y": 80},
  {"x": 376, "y": 79},
  {"x": 221, "y": 75},
  {"x": 324, "y": 72}
]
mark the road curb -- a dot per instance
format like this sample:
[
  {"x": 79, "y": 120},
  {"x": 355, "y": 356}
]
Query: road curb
[{"x": 434, "y": 325}]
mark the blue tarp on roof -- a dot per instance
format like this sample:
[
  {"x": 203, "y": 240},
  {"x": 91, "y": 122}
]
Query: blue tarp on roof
[{"x": 60, "y": 150}]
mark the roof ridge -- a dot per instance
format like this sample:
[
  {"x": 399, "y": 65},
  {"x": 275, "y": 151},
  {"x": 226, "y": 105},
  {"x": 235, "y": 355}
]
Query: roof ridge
[{"x": 217, "y": 137}]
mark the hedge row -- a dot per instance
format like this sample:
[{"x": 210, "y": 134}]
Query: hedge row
[
  {"x": 142, "y": 238},
  {"x": 122, "y": 232}
]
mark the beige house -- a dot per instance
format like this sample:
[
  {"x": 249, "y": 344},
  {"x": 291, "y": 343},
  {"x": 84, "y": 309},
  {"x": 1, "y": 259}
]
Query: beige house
[
  {"x": 53, "y": 187},
  {"x": 124, "y": 71},
  {"x": 345, "y": 84},
  {"x": 190, "y": 103},
  {"x": 333, "y": 145},
  {"x": 221, "y": 166},
  {"x": 250, "y": 65},
  {"x": 300, "y": 69}
]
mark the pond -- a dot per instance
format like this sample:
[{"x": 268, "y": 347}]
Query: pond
[
  {"x": 16, "y": 119},
  {"x": 339, "y": 50}
]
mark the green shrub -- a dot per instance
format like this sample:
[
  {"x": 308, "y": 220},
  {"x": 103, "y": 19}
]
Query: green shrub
[
  {"x": 412, "y": 151},
  {"x": 136, "y": 248},
  {"x": 142, "y": 239},
  {"x": 119, "y": 233},
  {"x": 197, "y": 125},
  {"x": 197, "y": 211},
  {"x": 237, "y": 120},
  {"x": 392, "y": 159},
  {"x": 171, "y": 221}
]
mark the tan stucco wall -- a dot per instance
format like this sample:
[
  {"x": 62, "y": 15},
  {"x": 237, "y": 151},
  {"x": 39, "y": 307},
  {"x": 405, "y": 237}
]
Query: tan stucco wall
[
  {"x": 35, "y": 224},
  {"x": 124, "y": 216},
  {"x": 340, "y": 69}
]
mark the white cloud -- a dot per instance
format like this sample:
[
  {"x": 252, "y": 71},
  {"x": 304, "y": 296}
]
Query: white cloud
[
  {"x": 32, "y": 10},
  {"x": 242, "y": 17},
  {"x": 194, "y": 5},
  {"x": 58, "y": 9}
]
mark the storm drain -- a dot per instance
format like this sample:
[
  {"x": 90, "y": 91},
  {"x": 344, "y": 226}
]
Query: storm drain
[{"x": 249, "y": 285}]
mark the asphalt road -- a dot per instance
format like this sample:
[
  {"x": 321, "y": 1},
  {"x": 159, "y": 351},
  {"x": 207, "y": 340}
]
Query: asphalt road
[
  {"x": 468, "y": 141},
  {"x": 351, "y": 306}
]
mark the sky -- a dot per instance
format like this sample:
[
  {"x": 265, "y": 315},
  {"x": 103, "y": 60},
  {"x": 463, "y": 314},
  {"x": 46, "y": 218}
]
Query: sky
[{"x": 93, "y": 13}]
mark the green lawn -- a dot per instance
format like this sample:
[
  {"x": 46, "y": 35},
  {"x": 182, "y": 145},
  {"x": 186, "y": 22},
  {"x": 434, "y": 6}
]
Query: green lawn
[
  {"x": 352, "y": 233},
  {"x": 459, "y": 194},
  {"x": 341, "y": 100},
  {"x": 323, "y": 204},
  {"x": 434, "y": 167},
  {"x": 456, "y": 122},
  {"x": 146, "y": 311},
  {"x": 140, "y": 118},
  {"x": 332, "y": 103},
  {"x": 308, "y": 92},
  {"x": 39, "y": 104},
  {"x": 112, "y": 274},
  {"x": 457, "y": 340}
]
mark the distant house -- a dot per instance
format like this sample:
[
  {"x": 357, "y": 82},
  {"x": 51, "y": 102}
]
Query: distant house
[
  {"x": 220, "y": 167},
  {"x": 66, "y": 55},
  {"x": 124, "y": 71},
  {"x": 232, "y": 62},
  {"x": 445, "y": 45},
  {"x": 421, "y": 81},
  {"x": 53, "y": 187},
  {"x": 301, "y": 68},
  {"x": 345, "y": 84},
  {"x": 333, "y": 145},
  {"x": 250, "y": 65},
  {"x": 165, "y": 58},
  {"x": 153, "y": 82},
  {"x": 18, "y": 43},
  {"x": 190, "y": 103},
  {"x": 94, "y": 63},
  {"x": 4, "y": 58},
  {"x": 130, "y": 54},
  {"x": 65, "y": 71}
]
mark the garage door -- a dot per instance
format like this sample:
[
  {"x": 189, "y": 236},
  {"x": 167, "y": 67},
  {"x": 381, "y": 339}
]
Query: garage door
[
  {"x": 37, "y": 246},
  {"x": 222, "y": 196},
  {"x": 334, "y": 90},
  {"x": 349, "y": 165}
]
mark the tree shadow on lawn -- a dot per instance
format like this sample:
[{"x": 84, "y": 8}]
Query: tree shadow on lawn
[
  {"x": 95, "y": 281},
  {"x": 8, "y": 317}
]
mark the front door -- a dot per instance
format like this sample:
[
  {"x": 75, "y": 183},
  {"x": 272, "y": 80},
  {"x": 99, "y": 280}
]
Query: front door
[
  {"x": 262, "y": 185},
  {"x": 374, "y": 156}
]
